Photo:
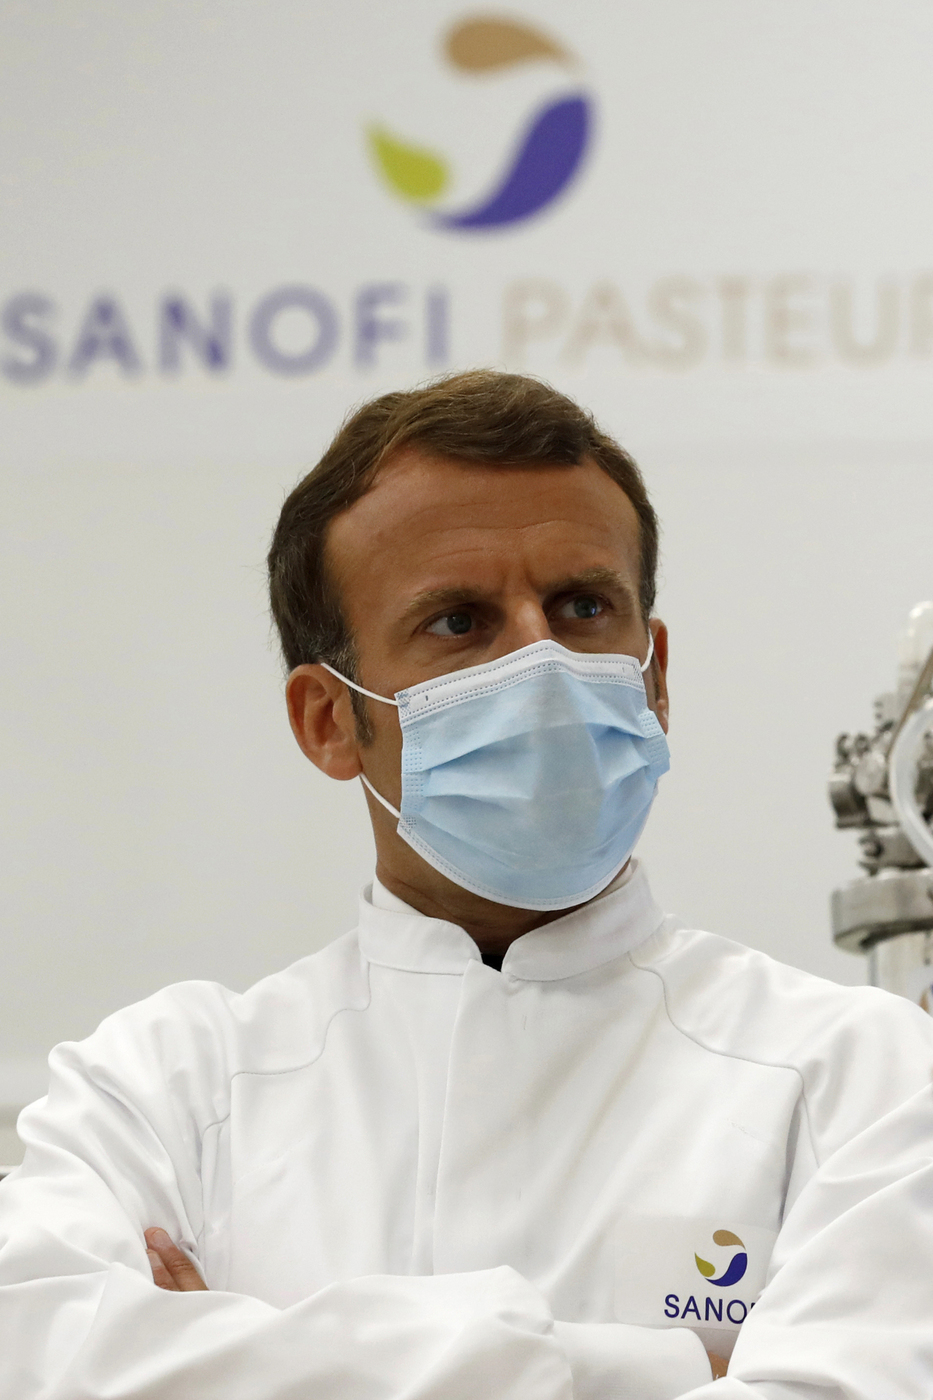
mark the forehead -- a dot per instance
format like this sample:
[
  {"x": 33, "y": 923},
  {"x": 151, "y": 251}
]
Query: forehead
[{"x": 431, "y": 520}]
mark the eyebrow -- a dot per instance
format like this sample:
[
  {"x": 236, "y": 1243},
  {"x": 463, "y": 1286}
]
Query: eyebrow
[
  {"x": 442, "y": 598},
  {"x": 597, "y": 577}
]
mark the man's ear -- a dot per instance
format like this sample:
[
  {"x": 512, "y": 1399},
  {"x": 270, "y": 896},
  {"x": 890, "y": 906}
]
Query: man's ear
[
  {"x": 657, "y": 671},
  {"x": 323, "y": 722}
]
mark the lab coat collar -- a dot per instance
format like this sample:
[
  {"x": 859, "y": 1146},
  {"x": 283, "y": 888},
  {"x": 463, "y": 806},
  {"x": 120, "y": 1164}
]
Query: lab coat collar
[{"x": 599, "y": 932}]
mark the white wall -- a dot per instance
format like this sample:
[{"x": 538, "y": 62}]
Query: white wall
[{"x": 158, "y": 821}]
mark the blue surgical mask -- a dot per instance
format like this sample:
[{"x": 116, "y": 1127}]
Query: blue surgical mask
[{"x": 528, "y": 780}]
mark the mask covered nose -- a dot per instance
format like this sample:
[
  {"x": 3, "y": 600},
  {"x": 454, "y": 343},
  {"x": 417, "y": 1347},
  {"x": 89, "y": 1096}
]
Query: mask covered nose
[{"x": 529, "y": 780}]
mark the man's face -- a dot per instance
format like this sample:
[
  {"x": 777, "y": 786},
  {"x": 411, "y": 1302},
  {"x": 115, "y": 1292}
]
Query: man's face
[{"x": 444, "y": 565}]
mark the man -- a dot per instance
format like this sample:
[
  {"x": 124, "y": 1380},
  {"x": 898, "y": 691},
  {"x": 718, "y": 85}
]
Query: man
[{"x": 518, "y": 1135}]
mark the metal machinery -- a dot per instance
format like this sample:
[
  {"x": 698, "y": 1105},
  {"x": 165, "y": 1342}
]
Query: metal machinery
[{"x": 882, "y": 786}]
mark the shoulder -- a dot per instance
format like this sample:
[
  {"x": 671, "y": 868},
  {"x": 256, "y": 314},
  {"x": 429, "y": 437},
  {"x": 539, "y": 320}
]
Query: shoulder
[
  {"x": 193, "y": 1038},
  {"x": 859, "y": 1051},
  {"x": 735, "y": 997}
]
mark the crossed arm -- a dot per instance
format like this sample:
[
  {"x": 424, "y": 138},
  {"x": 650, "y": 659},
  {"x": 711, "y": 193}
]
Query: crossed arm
[{"x": 174, "y": 1271}]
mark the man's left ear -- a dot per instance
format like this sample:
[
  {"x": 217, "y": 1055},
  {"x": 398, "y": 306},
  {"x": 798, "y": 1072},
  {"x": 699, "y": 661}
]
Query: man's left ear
[{"x": 656, "y": 675}]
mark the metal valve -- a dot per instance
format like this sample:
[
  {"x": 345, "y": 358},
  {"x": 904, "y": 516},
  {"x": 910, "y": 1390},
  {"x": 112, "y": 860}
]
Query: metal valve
[{"x": 882, "y": 786}]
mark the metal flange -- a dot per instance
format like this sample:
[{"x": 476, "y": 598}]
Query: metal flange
[{"x": 880, "y": 906}]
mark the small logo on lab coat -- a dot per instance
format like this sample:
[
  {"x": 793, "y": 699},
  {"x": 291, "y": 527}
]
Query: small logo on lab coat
[
  {"x": 691, "y": 1271},
  {"x": 736, "y": 1267}
]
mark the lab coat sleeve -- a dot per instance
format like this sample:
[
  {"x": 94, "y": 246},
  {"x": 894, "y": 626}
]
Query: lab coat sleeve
[
  {"x": 116, "y": 1148},
  {"x": 616, "y": 1361},
  {"x": 847, "y": 1312}
]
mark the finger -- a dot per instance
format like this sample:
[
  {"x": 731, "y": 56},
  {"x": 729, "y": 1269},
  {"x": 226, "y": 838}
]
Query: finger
[
  {"x": 183, "y": 1272},
  {"x": 160, "y": 1274},
  {"x": 718, "y": 1365}
]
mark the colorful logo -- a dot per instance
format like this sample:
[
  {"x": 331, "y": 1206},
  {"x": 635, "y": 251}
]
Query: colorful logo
[
  {"x": 548, "y": 153},
  {"x": 736, "y": 1267}
]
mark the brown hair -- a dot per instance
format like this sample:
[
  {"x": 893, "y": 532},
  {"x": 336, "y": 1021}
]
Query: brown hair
[{"x": 481, "y": 416}]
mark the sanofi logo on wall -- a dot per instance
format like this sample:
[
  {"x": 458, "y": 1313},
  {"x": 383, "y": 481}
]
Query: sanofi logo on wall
[
  {"x": 544, "y": 160},
  {"x": 620, "y": 320},
  {"x": 296, "y": 330},
  {"x": 679, "y": 322},
  {"x": 292, "y": 330}
]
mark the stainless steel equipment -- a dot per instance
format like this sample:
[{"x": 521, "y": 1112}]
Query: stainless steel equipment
[{"x": 882, "y": 786}]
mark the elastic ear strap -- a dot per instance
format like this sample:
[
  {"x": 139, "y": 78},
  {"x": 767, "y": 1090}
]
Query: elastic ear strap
[
  {"x": 362, "y": 689},
  {"x": 647, "y": 658},
  {"x": 379, "y": 797}
]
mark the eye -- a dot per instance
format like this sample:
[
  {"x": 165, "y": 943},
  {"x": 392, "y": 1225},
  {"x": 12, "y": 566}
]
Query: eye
[
  {"x": 584, "y": 606},
  {"x": 455, "y": 624}
]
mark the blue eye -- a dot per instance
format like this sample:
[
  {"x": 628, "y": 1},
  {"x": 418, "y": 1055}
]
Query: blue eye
[
  {"x": 584, "y": 606},
  {"x": 454, "y": 624}
]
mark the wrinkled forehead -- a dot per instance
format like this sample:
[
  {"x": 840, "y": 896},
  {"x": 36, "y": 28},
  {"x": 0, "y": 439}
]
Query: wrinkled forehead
[{"x": 428, "y": 514}]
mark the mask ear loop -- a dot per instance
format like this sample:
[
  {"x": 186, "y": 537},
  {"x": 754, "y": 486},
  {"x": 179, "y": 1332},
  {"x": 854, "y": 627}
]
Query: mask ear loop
[
  {"x": 379, "y": 797},
  {"x": 643, "y": 669},
  {"x": 373, "y": 696}
]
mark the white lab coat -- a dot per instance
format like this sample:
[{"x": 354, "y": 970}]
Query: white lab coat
[{"x": 406, "y": 1176}]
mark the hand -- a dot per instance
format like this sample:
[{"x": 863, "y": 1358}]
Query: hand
[
  {"x": 171, "y": 1267},
  {"x": 718, "y": 1364}
]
